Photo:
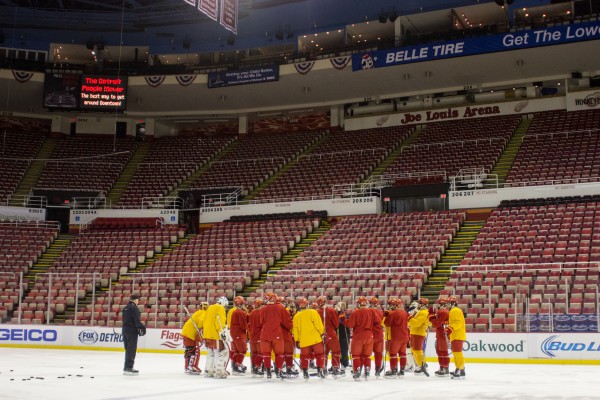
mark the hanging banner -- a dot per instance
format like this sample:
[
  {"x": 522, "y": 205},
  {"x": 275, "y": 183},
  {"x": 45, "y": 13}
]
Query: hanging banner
[
  {"x": 229, "y": 15},
  {"x": 209, "y": 8},
  {"x": 191, "y": 2},
  {"x": 185, "y": 80},
  {"x": 21, "y": 76},
  {"x": 478, "y": 45},
  {"x": 154, "y": 81},
  {"x": 339, "y": 62},
  {"x": 304, "y": 67},
  {"x": 243, "y": 76}
]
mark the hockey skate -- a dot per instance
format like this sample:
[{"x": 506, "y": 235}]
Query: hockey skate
[
  {"x": 291, "y": 372},
  {"x": 130, "y": 372},
  {"x": 391, "y": 374},
  {"x": 367, "y": 373},
  {"x": 256, "y": 372},
  {"x": 442, "y": 373},
  {"x": 268, "y": 370},
  {"x": 280, "y": 374},
  {"x": 458, "y": 374},
  {"x": 338, "y": 373},
  {"x": 237, "y": 370},
  {"x": 193, "y": 371},
  {"x": 419, "y": 371},
  {"x": 356, "y": 374},
  {"x": 378, "y": 372},
  {"x": 221, "y": 374},
  {"x": 320, "y": 373},
  {"x": 305, "y": 373}
]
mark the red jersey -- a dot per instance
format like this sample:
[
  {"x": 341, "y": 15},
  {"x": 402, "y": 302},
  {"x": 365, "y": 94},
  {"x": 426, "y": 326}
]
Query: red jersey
[
  {"x": 361, "y": 323},
  {"x": 377, "y": 326},
  {"x": 438, "y": 320},
  {"x": 254, "y": 326},
  {"x": 273, "y": 319},
  {"x": 239, "y": 324},
  {"x": 397, "y": 321},
  {"x": 331, "y": 321}
]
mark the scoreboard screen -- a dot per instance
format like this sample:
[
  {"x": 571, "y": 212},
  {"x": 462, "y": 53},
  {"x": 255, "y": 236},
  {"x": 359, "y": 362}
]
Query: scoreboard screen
[
  {"x": 77, "y": 92},
  {"x": 103, "y": 92}
]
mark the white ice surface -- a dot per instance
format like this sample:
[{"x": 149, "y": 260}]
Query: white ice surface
[{"x": 161, "y": 377}]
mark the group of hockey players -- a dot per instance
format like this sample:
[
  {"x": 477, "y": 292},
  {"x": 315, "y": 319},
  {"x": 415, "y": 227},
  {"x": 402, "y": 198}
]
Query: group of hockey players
[{"x": 276, "y": 327}]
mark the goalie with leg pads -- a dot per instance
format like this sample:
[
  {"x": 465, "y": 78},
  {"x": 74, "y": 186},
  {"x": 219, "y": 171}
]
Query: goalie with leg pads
[
  {"x": 418, "y": 324},
  {"x": 192, "y": 340},
  {"x": 214, "y": 324}
]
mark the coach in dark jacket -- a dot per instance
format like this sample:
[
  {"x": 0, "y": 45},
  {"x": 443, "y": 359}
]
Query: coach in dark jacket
[{"x": 132, "y": 327}]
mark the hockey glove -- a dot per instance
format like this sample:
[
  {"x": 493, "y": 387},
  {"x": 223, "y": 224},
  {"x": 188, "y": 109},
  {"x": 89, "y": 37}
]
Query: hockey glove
[
  {"x": 448, "y": 331},
  {"x": 297, "y": 345},
  {"x": 386, "y": 313},
  {"x": 142, "y": 331}
]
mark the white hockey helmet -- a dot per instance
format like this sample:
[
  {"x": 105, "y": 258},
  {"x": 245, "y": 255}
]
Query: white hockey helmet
[{"x": 223, "y": 301}]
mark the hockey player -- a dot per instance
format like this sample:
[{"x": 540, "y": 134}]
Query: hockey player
[
  {"x": 254, "y": 329},
  {"x": 396, "y": 319},
  {"x": 308, "y": 331},
  {"x": 273, "y": 319},
  {"x": 439, "y": 320},
  {"x": 288, "y": 342},
  {"x": 418, "y": 323},
  {"x": 237, "y": 321},
  {"x": 192, "y": 340},
  {"x": 331, "y": 341},
  {"x": 361, "y": 346},
  {"x": 214, "y": 337},
  {"x": 457, "y": 333},
  {"x": 377, "y": 335}
]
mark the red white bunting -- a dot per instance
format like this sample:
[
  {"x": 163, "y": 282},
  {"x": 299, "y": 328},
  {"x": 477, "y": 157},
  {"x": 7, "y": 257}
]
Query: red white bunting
[
  {"x": 340, "y": 62},
  {"x": 209, "y": 8},
  {"x": 229, "y": 15},
  {"x": 22, "y": 77},
  {"x": 154, "y": 81},
  {"x": 304, "y": 67}
]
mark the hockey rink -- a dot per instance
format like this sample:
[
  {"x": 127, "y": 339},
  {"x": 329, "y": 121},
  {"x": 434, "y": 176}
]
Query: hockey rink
[{"x": 69, "y": 374}]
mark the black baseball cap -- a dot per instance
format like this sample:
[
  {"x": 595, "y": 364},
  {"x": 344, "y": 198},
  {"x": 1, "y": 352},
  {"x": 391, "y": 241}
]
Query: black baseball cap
[{"x": 134, "y": 297}]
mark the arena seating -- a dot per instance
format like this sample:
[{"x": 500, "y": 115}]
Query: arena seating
[
  {"x": 169, "y": 161},
  {"x": 21, "y": 243},
  {"x": 104, "y": 251},
  {"x": 90, "y": 163},
  {"x": 454, "y": 145},
  {"x": 342, "y": 158},
  {"x": 22, "y": 145},
  {"x": 254, "y": 159},
  {"x": 571, "y": 137},
  {"x": 369, "y": 255},
  {"x": 543, "y": 253}
]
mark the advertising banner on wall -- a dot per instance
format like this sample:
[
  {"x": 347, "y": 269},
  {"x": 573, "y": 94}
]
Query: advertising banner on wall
[
  {"x": 243, "y": 76},
  {"x": 478, "y": 45},
  {"x": 83, "y": 217},
  {"x": 586, "y": 100},
  {"x": 491, "y": 347},
  {"x": 22, "y": 214}
]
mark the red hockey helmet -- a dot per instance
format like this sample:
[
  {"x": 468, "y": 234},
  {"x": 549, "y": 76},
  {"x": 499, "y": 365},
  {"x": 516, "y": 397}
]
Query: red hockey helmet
[
  {"x": 452, "y": 299},
  {"x": 393, "y": 302},
  {"x": 258, "y": 303},
  {"x": 361, "y": 301},
  {"x": 270, "y": 298},
  {"x": 314, "y": 305},
  {"x": 239, "y": 301},
  {"x": 442, "y": 301},
  {"x": 302, "y": 302},
  {"x": 321, "y": 300},
  {"x": 423, "y": 301},
  {"x": 374, "y": 301},
  {"x": 280, "y": 300}
]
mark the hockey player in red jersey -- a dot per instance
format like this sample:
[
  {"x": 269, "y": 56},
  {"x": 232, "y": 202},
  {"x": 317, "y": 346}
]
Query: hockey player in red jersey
[
  {"x": 254, "y": 329},
  {"x": 237, "y": 320},
  {"x": 361, "y": 345},
  {"x": 377, "y": 335},
  {"x": 396, "y": 319},
  {"x": 273, "y": 319},
  {"x": 288, "y": 342},
  {"x": 439, "y": 320},
  {"x": 331, "y": 321}
]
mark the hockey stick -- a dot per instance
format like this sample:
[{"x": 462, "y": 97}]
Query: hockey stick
[{"x": 193, "y": 322}]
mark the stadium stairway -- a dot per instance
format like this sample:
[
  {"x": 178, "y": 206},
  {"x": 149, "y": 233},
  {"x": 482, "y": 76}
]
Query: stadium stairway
[
  {"x": 380, "y": 169},
  {"x": 33, "y": 172},
  {"x": 453, "y": 255},
  {"x": 252, "y": 195},
  {"x": 507, "y": 158},
  {"x": 285, "y": 260},
  {"x": 117, "y": 190},
  {"x": 158, "y": 255},
  {"x": 185, "y": 184}
]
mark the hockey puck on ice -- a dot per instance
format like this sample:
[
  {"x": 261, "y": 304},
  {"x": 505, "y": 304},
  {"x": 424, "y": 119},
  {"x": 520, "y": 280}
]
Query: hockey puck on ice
[
  {"x": 11, "y": 379},
  {"x": 79, "y": 375},
  {"x": 92, "y": 377}
]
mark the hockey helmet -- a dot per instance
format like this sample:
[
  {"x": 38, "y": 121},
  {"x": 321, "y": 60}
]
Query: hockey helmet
[
  {"x": 204, "y": 305},
  {"x": 361, "y": 301},
  {"x": 424, "y": 302},
  {"x": 393, "y": 303},
  {"x": 321, "y": 300},
  {"x": 258, "y": 303},
  {"x": 442, "y": 301},
  {"x": 270, "y": 298},
  {"x": 452, "y": 299},
  {"x": 374, "y": 301},
  {"x": 239, "y": 301},
  {"x": 302, "y": 302},
  {"x": 223, "y": 301}
]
